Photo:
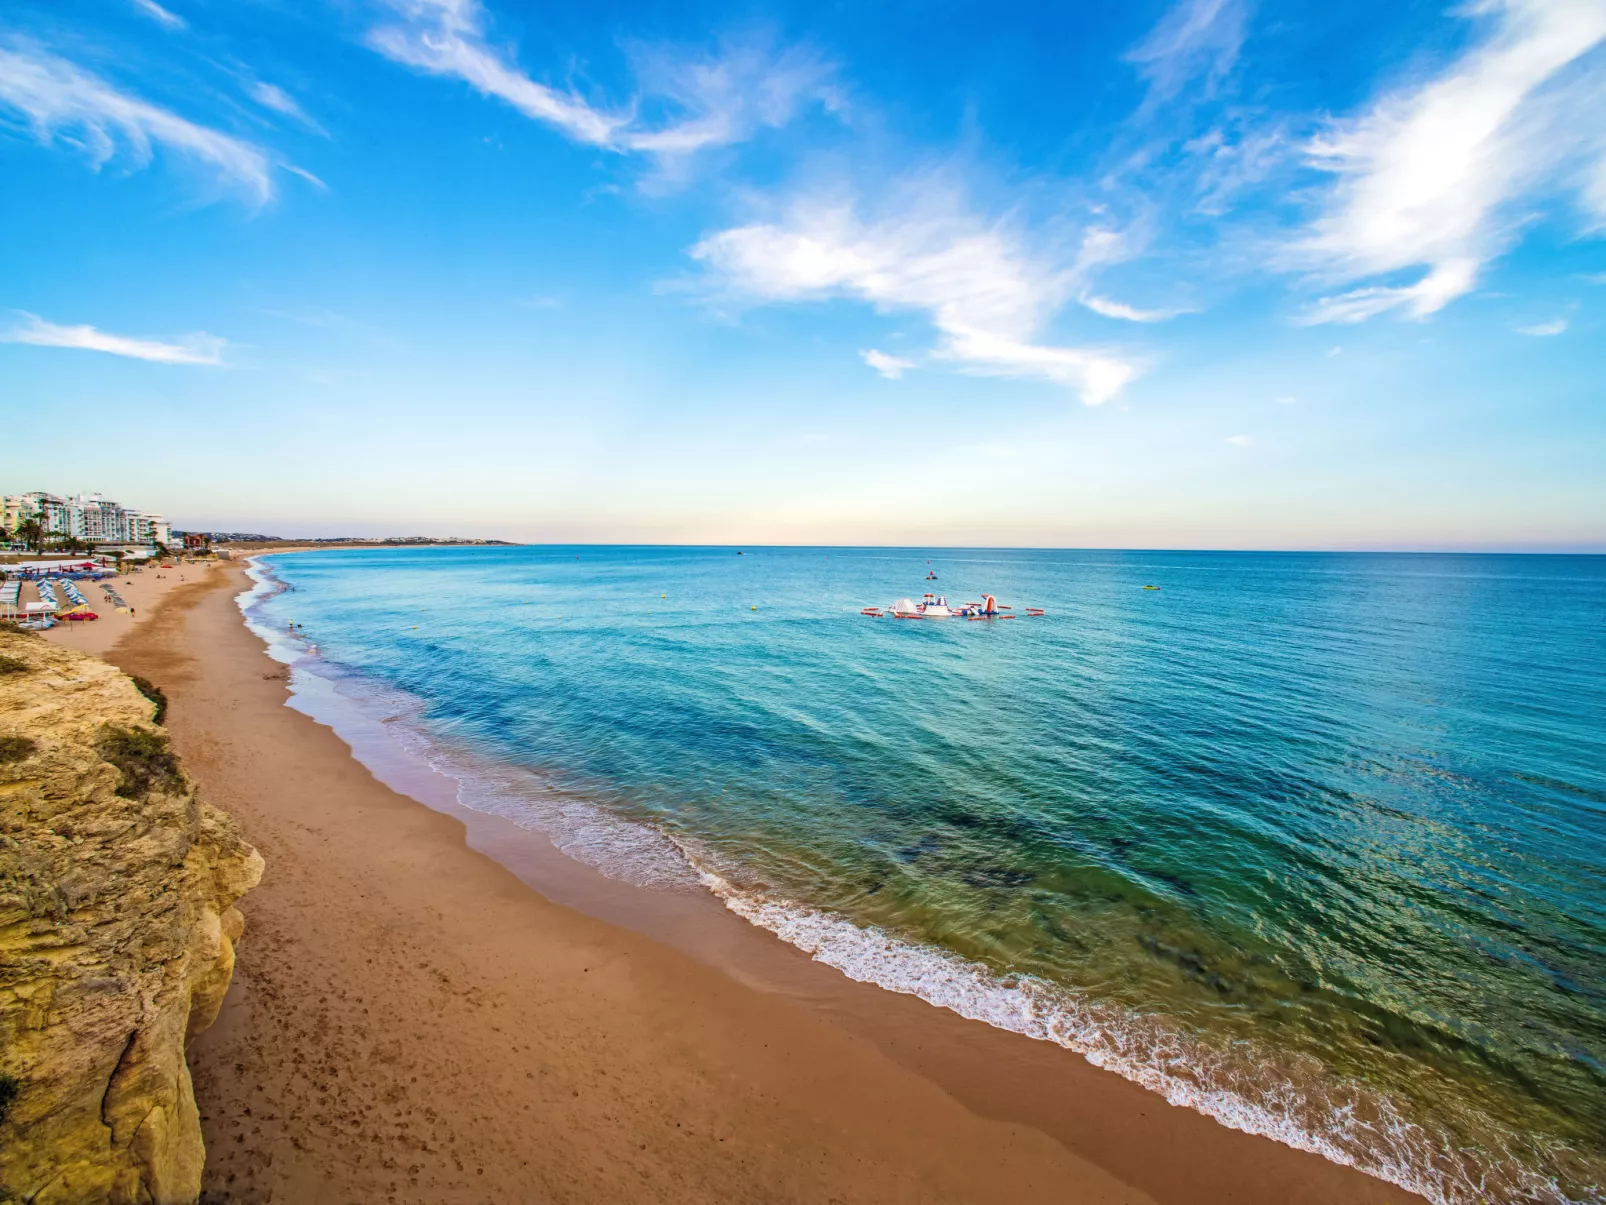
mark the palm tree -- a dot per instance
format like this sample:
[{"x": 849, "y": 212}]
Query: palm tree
[{"x": 31, "y": 531}]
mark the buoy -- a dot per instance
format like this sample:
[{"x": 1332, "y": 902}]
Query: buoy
[
  {"x": 663, "y": 596},
  {"x": 755, "y": 608}
]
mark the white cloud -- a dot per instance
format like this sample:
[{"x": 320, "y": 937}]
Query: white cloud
[
  {"x": 1428, "y": 177},
  {"x": 60, "y": 100},
  {"x": 1288, "y": 400},
  {"x": 157, "y": 13},
  {"x": 986, "y": 294},
  {"x": 1240, "y": 441},
  {"x": 723, "y": 99},
  {"x": 446, "y": 37},
  {"x": 1543, "y": 329},
  {"x": 304, "y": 174},
  {"x": 1127, "y": 313},
  {"x": 891, "y": 367},
  {"x": 192, "y": 349},
  {"x": 271, "y": 96},
  {"x": 1433, "y": 292},
  {"x": 713, "y": 101},
  {"x": 1227, "y": 163},
  {"x": 1194, "y": 38}
]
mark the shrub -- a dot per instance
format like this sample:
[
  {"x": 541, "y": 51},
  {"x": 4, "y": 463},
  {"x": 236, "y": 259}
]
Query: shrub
[
  {"x": 12, "y": 665},
  {"x": 143, "y": 758},
  {"x": 15, "y": 748},
  {"x": 154, "y": 693}
]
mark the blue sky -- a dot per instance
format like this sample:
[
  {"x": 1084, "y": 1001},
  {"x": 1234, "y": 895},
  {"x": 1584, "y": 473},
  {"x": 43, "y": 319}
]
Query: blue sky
[{"x": 1204, "y": 274}]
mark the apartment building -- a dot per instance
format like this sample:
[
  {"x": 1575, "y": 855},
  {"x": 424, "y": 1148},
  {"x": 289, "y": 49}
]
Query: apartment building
[{"x": 93, "y": 518}]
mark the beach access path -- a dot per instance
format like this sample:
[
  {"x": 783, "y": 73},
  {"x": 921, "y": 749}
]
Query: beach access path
[{"x": 411, "y": 1022}]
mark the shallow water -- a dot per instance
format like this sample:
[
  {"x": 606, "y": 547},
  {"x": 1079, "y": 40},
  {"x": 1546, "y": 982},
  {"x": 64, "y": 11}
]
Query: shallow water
[{"x": 1313, "y": 843}]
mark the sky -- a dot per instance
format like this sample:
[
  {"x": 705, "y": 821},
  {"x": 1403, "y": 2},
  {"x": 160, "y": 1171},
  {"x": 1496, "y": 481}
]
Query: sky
[{"x": 1190, "y": 274}]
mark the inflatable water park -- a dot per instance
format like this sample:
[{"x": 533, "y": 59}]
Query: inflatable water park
[{"x": 937, "y": 606}]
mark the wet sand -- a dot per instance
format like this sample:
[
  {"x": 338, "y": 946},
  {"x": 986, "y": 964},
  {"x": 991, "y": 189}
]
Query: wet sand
[{"x": 412, "y": 1021}]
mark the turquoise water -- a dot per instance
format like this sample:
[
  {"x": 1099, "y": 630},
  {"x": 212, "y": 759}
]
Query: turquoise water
[{"x": 1314, "y": 843}]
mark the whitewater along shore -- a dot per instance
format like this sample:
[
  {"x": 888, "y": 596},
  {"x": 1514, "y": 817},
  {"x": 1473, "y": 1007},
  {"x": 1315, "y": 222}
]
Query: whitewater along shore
[{"x": 412, "y": 1021}]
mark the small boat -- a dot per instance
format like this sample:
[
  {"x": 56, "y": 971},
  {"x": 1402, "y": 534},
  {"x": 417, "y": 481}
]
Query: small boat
[
  {"x": 1151, "y": 587},
  {"x": 931, "y": 577}
]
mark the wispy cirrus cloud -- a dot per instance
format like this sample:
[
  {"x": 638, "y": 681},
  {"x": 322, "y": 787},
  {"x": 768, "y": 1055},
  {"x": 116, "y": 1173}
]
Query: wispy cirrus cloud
[
  {"x": 1428, "y": 179},
  {"x": 1109, "y": 308},
  {"x": 159, "y": 14},
  {"x": 447, "y": 37},
  {"x": 890, "y": 367},
  {"x": 705, "y": 102},
  {"x": 60, "y": 101},
  {"x": 1542, "y": 330},
  {"x": 986, "y": 294},
  {"x": 1195, "y": 40},
  {"x": 198, "y": 348},
  {"x": 271, "y": 96}
]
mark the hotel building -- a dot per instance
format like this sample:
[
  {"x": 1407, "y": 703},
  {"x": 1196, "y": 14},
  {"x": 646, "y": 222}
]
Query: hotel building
[{"x": 92, "y": 518}]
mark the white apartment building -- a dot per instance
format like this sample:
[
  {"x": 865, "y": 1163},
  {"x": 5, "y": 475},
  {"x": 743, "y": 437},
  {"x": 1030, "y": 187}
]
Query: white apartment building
[{"x": 92, "y": 518}]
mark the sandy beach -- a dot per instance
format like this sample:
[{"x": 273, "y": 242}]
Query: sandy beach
[
  {"x": 412, "y": 1021},
  {"x": 143, "y": 591}
]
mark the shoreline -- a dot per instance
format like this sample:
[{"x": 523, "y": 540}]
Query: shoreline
[{"x": 812, "y": 1054}]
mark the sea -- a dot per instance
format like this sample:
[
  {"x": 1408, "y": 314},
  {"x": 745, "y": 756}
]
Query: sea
[{"x": 1311, "y": 843}]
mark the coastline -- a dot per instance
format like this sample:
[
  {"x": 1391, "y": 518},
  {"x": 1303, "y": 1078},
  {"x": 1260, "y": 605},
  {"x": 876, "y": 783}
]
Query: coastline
[{"x": 390, "y": 964}]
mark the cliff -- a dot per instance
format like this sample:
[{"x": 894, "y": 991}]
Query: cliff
[{"x": 117, "y": 932}]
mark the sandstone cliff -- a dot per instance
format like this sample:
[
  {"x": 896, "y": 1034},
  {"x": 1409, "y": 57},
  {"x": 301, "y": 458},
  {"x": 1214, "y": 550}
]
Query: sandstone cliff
[{"x": 117, "y": 931}]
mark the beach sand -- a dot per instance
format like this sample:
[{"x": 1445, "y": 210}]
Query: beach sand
[
  {"x": 143, "y": 591},
  {"x": 410, "y": 1021}
]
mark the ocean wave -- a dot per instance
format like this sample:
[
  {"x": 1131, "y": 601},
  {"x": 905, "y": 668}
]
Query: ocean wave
[
  {"x": 621, "y": 849},
  {"x": 266, "y": 585},
  {"x": 1294, "y": 1102}
]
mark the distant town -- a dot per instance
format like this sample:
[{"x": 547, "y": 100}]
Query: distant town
[{"x": 44, "y": 524}]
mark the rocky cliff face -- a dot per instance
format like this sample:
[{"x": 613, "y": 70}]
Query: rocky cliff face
[{"x": 117, "y": 931}]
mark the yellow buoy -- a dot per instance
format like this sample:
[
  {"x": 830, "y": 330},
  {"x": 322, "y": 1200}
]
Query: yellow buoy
[{"x": 755, "y": 608}]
